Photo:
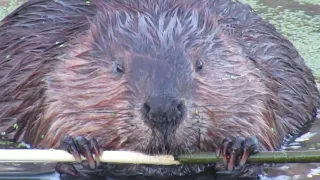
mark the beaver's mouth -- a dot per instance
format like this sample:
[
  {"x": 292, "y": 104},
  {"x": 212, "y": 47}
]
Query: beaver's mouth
[
  {"x": 169, "y": 135},
  {"x": 163, "y": 140}
]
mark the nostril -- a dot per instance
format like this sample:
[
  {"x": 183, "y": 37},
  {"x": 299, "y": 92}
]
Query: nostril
[
  {"x": 146, "y": 107},
  {"x": 180, "y": 107}
]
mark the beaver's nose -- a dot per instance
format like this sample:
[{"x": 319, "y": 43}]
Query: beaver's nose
[{"x": 163, "y": 109}]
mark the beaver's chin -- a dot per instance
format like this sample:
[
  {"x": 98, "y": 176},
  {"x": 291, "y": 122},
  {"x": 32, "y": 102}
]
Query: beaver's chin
[
  {"x": 166, "y": 137},
  {"x": 144, "y": 170},
  {"x": 165, "y": 141}
]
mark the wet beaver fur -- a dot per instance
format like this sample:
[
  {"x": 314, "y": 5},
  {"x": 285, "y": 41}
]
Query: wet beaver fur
[{"x": 154, "y": 76}]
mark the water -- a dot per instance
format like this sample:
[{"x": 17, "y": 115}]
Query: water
[
  {"x": 299, "y": 20},
  {"x": 299, "y": 171}
]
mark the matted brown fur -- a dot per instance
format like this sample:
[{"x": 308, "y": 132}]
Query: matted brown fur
[{"x": 57, "y": 78}]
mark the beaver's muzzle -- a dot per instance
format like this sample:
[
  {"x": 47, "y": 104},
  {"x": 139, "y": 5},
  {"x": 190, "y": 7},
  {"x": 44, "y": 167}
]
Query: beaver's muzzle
[{"x": 163, "y": 111}]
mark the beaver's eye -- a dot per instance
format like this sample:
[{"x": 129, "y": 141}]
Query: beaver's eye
[
  {"x": 199, "y": 65},
  {"x": 119, "y": 68}
]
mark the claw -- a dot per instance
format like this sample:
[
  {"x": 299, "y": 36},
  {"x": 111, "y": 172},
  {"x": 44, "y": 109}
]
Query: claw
[
  {"x": 236, "y": 152},
  {"x": 251, "y": 146},
  {"x": 244, "y": 158},
  {"x": 89, "y": 148},
  {"x": 232, "y": 161},
  {"x": 223, "y": 150},
  {"x": 85, "y": 150},
  {"x": 68, "y": 144},
  {"x": 97, "y": 151}
]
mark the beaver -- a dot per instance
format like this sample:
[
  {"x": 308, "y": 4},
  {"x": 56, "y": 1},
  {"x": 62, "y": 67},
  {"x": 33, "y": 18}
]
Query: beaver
[{"x": 157, "y": 77}]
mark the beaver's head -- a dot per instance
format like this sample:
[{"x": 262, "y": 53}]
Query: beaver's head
[{"x": 158, "y": 81}]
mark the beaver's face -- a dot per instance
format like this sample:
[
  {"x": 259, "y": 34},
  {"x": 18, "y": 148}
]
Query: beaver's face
[
  {"x": 157, "y": 83},
  {"x": 152, "y": 97},
  {"x": 167, "y": 101},
  {"x": 170, "y": 87}
]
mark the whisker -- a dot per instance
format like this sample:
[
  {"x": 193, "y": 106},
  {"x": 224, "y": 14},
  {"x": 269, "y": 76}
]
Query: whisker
[
  {"x": 122, "y": 116},
  {"x": 213, "y": 105},
  {"x": 96, "y": 112}
]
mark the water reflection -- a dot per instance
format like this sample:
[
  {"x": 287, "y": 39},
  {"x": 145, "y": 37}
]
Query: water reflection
[{"x": 298, "y": 171}]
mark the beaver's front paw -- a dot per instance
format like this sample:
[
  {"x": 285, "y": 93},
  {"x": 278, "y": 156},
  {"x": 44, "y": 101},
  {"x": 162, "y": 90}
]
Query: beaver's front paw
[
  {"x": 235, "y": 152},
  {"x": 79, "y": 146}
]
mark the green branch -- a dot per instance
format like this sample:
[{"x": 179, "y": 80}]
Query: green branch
[{"x": 262, "y": 157}]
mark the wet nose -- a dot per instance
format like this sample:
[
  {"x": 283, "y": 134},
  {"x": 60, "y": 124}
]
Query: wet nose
[{"x": 163, "y": 109}]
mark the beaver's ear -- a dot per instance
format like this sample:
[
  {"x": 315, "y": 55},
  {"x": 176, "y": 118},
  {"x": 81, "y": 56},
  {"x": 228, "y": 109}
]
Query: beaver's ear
[
  {"x": 101, "y": 30},
  {"x": 98, "y": 40},
  {"x": 93, "y": 30}
]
